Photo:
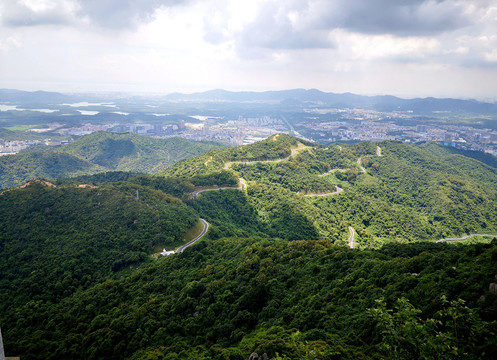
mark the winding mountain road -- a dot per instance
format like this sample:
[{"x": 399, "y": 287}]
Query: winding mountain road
[
  {"x": 351, "y": 237},
  {"x": 337, "y": 191},
  {"x": 242, "y": 186},
  {"x": 190, "y": 243},
  {"x": 465, "y": 237},
  {"x": 294, "y": 151},
  {"x": 330, "y": 171},
  {"x": 359, "y": 162}
]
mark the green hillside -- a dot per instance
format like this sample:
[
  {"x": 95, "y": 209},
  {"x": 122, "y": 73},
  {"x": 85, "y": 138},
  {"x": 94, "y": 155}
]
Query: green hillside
[
  {"x": 302, "y": 300},
  {"x": 56, "y": 240},
  {"x": 214, "y": 161},
  {"x": 485, "y": 158},
  {"x": 131, "y": 152},
  {"x": 409, "y": 193},
  {"x": 17, "y": 169},
  {"x": 12, "y": 135},
  {"x": 279, "y": 272},
  {"x": 99, "y": 152}
]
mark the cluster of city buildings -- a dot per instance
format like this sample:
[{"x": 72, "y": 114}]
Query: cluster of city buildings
[
  {"x": 13, "y": 147},
  {"x": 356, "y": 125},
  {"x": 320, "y": 125},
  {"x": 243, "y": 130}
]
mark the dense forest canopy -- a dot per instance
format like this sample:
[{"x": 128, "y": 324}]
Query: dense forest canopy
[
  {"x": 275, "y": 274},
  {"x": 96, "y": 153},
  {"x": 409, "y": 193},
  {"x": 55, "y": 240},
  {"x": 226, "y": 298}
]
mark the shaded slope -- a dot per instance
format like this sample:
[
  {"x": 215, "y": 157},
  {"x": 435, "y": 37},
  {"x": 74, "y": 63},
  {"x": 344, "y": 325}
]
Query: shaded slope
[
  {"x": 66, "y": 291},
  {"x": 99, "y": 152},
  {"x": 231, "y": 297},
  {"x": 445, "y": 151},
  {"x": 406, "y": 194},
  {"x": 131, "y": 152},
  {"x": 56, "y": 240},
  {"x": 274, "y": 148},
  {"x": 17, "y": 169}
]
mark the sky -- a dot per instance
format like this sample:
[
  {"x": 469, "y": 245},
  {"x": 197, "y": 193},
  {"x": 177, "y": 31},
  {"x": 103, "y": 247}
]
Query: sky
[{"x": 408, "y": 48}]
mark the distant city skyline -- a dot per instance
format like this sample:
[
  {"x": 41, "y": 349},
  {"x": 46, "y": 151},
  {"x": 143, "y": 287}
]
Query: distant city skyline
[{"x": 407, "y": 48}]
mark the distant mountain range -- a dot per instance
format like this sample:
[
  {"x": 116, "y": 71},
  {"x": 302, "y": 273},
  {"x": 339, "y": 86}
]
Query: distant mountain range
[
  {"x": 345, "y": 100},
  {"x": 39, "y": 97},
  {"x": 295, "y": 97}
]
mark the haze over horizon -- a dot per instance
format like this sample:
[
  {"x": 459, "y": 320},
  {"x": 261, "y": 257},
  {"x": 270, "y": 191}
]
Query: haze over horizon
[{"x": 408, "y": 49}]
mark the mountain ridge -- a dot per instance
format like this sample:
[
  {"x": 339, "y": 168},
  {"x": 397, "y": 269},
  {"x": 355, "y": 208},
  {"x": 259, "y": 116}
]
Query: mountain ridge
[
  {"x": 276, "y": 272},
  {"x": 310, "y": 96},
  {"x": 379, "y": 102},
  {"x": 415, "y": 188},
  {"x": 99, "y": 152}
]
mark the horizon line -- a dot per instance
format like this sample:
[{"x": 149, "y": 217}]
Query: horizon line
[{"x": 168, "y": 93}]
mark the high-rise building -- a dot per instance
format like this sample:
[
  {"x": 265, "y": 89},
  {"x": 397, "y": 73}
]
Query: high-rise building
[
  {"x": 421, "y": 128},
  {"x": 158, "y": 129}
]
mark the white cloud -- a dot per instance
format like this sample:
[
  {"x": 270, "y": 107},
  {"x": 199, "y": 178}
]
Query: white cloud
[
  {"x": 9, "y": 44},
  {"x": 18, "y": 13},
  {"x": 373, "y": 46}
]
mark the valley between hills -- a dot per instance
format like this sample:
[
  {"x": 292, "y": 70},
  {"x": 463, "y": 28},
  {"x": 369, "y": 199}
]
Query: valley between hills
[{"x": 283, "y": 247}]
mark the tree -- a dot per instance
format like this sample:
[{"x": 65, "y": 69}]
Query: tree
[{"x": 455, "y": 332}]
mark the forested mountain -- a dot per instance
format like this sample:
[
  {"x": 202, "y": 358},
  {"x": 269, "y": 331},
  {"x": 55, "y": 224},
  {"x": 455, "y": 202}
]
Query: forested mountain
[
  {"x": 36, "y": 97},
  {"x": 224, "y": 299},
  {"x": 56, "y": 239},
  {"x": 99, "y": 152},
  {"x": 345, "y": 100},
  {"x": 408, "y": 193},
  {"x": 312, "y": 252},
  {"x": 287, "y": 97},
  {"x": 132, "y": 152}
]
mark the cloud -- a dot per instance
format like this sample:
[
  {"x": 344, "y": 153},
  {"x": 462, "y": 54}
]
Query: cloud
[
  {"x": 18, "y": 13},
  {"x": 295, "y": 24},
  {"x": 442, "y": 32},
  {"x": 119, "y": 14},
  {"x": 285, "y": 25},
  {"x": 400, "y": 17},
  {"x": 110, "y": 14},
  {"x": 362, "y": 47},
  {"x": 337, "y": 45},
  {"x": 9, "y": 44},
  {"x": 216, "y": 28}
]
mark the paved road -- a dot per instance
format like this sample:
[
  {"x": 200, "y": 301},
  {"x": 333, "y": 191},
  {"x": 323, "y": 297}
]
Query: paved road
[
  {"x": 359, "y": 161},
  {"x": 292, "y": 129},
  {"x": 332, "y": 170},
  {"x": 190, "y": 243},
  {"x": 337, "y": 191},
  {"x": 294, "y": 151},
  {"x": 351, "y": 237},
  {"x": 242, "y": 185},
  {"x": 465, "y": 237},
  {"x": 360, "y": 165}
]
